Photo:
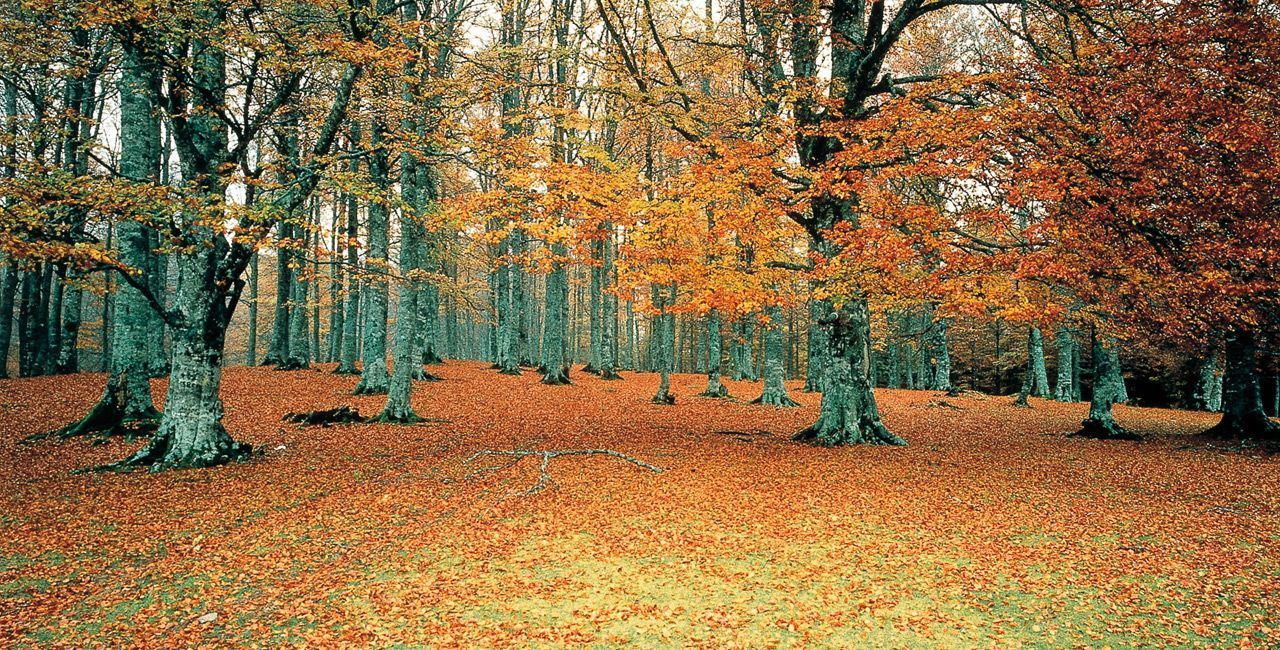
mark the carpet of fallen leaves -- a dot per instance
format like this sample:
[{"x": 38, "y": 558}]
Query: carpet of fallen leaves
[{"x": 991, "y": 529}]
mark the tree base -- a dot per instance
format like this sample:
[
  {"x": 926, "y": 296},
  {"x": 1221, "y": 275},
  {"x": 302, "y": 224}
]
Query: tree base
[
  {"x": 432, "y": 359},
  {"x": 1258, "y": 427},
  {"x": 867, "y": 433},
  {"x": 719, "y": 391},
  {"x": 404, "y": 416},
  {"x": 108, "y": 418},
  {"x": 781, "y": 400},
  {"x": 1099, "y": 430},
  {"x": 346, "y": 370},
  {"x": 590, "y": 369},
  {"x": 157, "y": 456},
  {"x": 293, "y": 364},
  {"x": 665, "y": 399},
  {"x": 365, "y": 389},
  {"x": 610, "y": 375},
  {"x": 556, "y": 378},
  {"x": 511, "y": 372}
]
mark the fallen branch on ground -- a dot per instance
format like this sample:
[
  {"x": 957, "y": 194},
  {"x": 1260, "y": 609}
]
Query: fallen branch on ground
[{"x": 544, "y": 477}]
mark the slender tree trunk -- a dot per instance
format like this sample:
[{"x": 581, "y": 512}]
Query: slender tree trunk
[
  {"x": 817, "y": 348},
  {"x": 8, "y": 292},
  {"x": 555, "y": 344},
  {"x": 251, "y": 351},
  {"x": 715, "y": 355},
  {"x": 373, "y": 374},
  {"x": 1208, "y": 391},
  {"x": 664, "y": 342},
  {"x": 351, "y": 317},
  {"x": 1066, "y": 345}
]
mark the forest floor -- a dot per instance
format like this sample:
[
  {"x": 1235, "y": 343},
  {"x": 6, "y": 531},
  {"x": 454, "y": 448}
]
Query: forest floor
[{"x": 990, "y": 530}]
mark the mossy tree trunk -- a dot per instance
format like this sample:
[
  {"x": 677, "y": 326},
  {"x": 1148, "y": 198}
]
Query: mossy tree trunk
[
  {"x": 373, "y": 371},
  {"x": 1108, "y": 390},
  {"x": 1243, "y": 416},
  {"x": 775, "y": 386}
]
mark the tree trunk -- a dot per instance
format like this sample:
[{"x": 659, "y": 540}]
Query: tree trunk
[
  {"x": 1243, "y": 416},
  {"x": 817, "y": 348},
  {"x": 373, "y": 374},
  {"x": 1208, "y": 391},
  {"x": 848, "y": 414},
  {"x": 715, "y": 355},
  {"x": 1108, "y": 389},
  {"x": 663, "y": 339},
  {"x": 555, "y": 344},
  {"x": 940, "y": 378},
  {"x": 775, "y": 387},
  {"x": 1066, "y": 345},
  {"x": 8, "y": 291},
  {"x": 278, "y": 348}
]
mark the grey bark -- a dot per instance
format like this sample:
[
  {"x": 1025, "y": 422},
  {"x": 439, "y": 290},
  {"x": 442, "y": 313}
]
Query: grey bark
[
  {"x": 775, "y": 387},
  {"x": 1108, "y": 389},
  {"x": 1243, "y": 415},
  {"x": 373, "y": 373}
]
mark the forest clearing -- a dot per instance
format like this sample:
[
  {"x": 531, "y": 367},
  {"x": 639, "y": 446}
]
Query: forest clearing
[{"x": 991, "y": 529}]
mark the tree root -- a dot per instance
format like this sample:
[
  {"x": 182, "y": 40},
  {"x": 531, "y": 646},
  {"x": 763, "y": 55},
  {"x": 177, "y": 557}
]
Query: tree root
[
  {"x": 665, "y": 399},
  {"x": 868, "y": 433},
  {"x": 1099, "y": 430},
  {"x": 1236, "y": 428},
  {"x": 610, "y": 375},
  {"x": 544, "y": 477},
  {"x": 558, "y": 378},
  {"x": 405, "y": 417},
  {"x": 780, "y": 400},
  {"x": 154, "y": 455},
  {"x": 325, "y": 418}
]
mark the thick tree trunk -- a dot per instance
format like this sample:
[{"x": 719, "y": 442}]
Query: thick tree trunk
[
  {"x": 848, "y": 414},
  {"x": 191, "y": 433},
  {"x": 298, "y": 350},
  {"x": 715, "y": 355},
  {"x": 1108, "y": 389},
  {"x": 775, "y": 387},
  {"x": 398, "y": 408},
  {"x": 1243, "y": 416},
  {"x": 940, "y": 374}
]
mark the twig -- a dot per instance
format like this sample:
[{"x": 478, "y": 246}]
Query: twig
[{"x": 544, "y": 477}]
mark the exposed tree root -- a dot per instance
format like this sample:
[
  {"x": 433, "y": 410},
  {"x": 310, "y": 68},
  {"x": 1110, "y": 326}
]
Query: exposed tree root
[
  {"x": 556, "y": 378},
  {"x": 346, "y": 371},
  {"x": 325, "y": 418},
  {"x": 666, "y": 399},
  {"x": 610, "y": 375},
  {"x": 395, "y": 416},
  {"x": 1245, "y": 428},
  {"x": 866, "y": 433},
  {"x": 156, "y": 456},
  {"x": 780, "y": 400},
  {"x": 431, "y": 358},
  {"x": 292, "y": 364},
  {"x": 109, "y": 417},
  {"x": 544, "y": 477},
  {"x": 363, "y": 389},
  {"x": 1095, "y": 429}
]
